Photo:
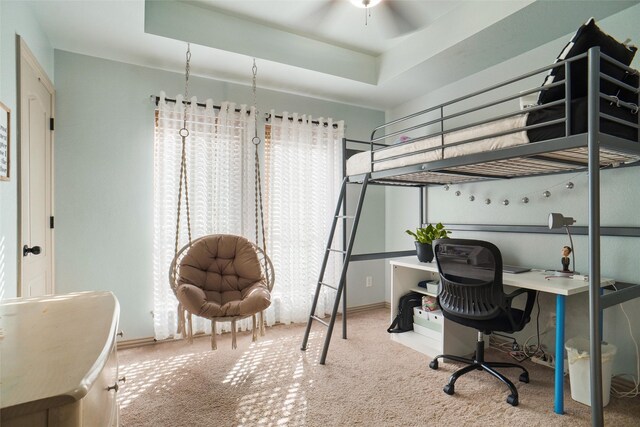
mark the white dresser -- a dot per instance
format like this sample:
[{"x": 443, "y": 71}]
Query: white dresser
[{"x": 58, "y": 360}]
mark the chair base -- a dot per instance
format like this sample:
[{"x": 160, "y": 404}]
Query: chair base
[{"x": 478, "y": 363}]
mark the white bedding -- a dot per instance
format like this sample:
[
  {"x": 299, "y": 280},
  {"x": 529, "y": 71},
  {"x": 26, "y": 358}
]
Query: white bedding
[{"x": 361, "y": 163}]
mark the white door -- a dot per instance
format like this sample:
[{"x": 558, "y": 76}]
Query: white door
[{"x": 35, "y": 111}]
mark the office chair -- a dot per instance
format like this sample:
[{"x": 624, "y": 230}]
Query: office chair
[{"x": 471, "y": 294}]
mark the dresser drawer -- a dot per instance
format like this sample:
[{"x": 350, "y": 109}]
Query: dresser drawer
[{"x": 98, "y": 404}]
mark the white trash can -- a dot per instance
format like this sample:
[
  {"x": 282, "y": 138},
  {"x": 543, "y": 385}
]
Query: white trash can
[{"x": 579, "y": 370}]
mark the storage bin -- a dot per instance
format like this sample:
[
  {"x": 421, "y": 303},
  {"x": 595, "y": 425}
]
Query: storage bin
[
  {"x": 434, "y": 336},
  {"x": 580, "y": 370},
  {"x": 431, "y": 320}
]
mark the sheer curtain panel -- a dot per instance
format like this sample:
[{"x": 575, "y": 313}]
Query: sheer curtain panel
[
  {"x": 303, "y": 177},
  {"x": 221, "y": 178}
]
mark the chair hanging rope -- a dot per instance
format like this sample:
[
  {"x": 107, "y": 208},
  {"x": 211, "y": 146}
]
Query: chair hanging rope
[
  {"x": 184, "y": 133},
  {"x": 258, "y": 182},
  {"x": 258, "y": 299}
]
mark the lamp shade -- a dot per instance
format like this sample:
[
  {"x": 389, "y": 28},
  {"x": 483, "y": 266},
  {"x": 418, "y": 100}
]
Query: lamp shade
[{"x": 557, "y": 220}]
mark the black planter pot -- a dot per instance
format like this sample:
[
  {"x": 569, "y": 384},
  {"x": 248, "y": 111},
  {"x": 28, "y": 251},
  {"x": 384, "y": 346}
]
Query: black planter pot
[{"x": 424, "y": 251}]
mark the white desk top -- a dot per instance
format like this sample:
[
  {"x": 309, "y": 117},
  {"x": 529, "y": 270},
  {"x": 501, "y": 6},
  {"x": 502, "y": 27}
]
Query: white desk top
[
  {"x": 53, "y": 347},
  {"x": 536, "y": 279}
]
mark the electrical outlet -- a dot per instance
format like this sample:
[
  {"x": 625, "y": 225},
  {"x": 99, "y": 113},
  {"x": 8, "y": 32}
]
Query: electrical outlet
[{"x": 369, "y": 282}]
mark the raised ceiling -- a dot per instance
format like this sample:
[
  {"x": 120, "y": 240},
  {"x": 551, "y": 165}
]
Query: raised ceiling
[{"x": 301, "y": 49}]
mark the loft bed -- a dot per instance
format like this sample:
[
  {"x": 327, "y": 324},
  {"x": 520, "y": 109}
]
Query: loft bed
[
  {"x": 576, "y": 101},
  {"x": 585, "y": 118},
  {"x": 541, "y": 139}
]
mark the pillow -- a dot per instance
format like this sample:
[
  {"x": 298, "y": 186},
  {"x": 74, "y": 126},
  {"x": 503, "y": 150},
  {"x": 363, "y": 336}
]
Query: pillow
[
  {"x": 587, "y": 36},
  {"x": 528, "y": 101}
]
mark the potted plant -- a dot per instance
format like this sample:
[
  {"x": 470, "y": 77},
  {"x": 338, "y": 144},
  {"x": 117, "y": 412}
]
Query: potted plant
[{"x": 425, "y": 236}]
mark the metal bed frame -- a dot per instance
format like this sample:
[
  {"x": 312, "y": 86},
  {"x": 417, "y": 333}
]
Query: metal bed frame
[{"x": 588, "y": 151}]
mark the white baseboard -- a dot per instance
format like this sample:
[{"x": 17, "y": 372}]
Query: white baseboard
[
  {"x": 125, "y": 344},
  {"x": 139, "y": 342},
  {"x": 366, "y": 307}
]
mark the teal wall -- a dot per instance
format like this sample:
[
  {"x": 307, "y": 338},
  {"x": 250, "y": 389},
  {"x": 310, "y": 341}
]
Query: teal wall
[
  {"x": 15, "y": 19},
  {"x": 104, "y": 176},
  {"x": 620, "y": 202}
]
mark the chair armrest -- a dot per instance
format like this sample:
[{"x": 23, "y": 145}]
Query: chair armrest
[
  {"x": 531, "y": 298},
  {"x": 517, "y": 292},
  {"x": 192, "y": 298}
]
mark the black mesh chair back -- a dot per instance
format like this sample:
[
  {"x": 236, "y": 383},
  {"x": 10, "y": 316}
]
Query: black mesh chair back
[
  {"x": 471, "y": 277},
  {"x": 471, "y": 291}
]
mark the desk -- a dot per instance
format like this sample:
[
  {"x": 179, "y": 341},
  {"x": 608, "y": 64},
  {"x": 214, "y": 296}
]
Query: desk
[{"x": 536, "y": 280}]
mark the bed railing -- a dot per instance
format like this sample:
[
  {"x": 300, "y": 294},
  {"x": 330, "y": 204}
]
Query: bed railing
[{"x": 382, "y": 135}]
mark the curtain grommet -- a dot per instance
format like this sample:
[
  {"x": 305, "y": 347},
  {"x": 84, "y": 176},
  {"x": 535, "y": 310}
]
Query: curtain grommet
[
  {"x": 256, "y": 140},
  {"x": 184, "y": 132}
]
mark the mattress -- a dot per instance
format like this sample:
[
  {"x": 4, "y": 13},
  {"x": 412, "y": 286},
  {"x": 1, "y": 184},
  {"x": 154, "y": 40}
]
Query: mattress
[{"x": 412, "y": 153}]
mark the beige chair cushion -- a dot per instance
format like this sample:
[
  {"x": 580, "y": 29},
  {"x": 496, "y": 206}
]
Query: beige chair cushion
[{"x": 220, "y": 276}]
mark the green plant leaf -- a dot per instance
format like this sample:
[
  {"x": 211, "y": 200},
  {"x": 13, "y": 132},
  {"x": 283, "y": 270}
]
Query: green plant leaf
[
  {"x": 411, "y": 233},
  {"x": 429, "y": 233}
]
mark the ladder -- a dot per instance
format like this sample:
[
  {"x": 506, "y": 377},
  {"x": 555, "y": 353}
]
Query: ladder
[{"x": 346, "y": 252}]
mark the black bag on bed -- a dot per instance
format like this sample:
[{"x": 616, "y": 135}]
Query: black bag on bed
[{"x": 404, "y": 320}]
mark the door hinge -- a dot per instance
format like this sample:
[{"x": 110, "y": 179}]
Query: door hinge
[
  {"x": 51, "y": 222},
  {"x": 51, "y": 123}
]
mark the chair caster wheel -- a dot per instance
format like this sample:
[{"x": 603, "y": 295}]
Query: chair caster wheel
[
  {"x": 434, "y": 364},
  {"x": 524, "y": 377},
  {"x": 512, "y": 400},
  {"x": 449, "y": 389}
]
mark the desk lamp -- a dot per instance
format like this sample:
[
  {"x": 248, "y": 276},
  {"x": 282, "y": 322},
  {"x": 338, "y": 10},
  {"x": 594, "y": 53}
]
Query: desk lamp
[{"x": 557, "y": 220}]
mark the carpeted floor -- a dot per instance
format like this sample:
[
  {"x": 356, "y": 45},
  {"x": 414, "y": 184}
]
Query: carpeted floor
[{"x": 368, "y": 380}]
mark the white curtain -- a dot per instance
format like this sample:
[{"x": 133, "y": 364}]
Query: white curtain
[
  {"x": 220, "y": 159},
  {"x": 303, "y": 173}
]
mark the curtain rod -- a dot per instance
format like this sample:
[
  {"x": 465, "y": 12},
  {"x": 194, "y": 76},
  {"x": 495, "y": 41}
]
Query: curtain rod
[
  {"x": 155, "y": 99},
  {"x": 267, "y": 116}
]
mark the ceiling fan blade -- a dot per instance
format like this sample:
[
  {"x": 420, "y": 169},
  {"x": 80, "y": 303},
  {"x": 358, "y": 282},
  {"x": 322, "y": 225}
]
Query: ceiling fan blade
[{"x": 401, "y": 20}]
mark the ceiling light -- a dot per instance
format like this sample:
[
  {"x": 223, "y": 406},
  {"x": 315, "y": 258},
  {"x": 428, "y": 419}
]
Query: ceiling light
[{"x": 365, "y": 3}]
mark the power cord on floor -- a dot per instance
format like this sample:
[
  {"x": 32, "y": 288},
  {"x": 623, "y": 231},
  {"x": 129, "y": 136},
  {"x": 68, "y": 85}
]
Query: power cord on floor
[
  {"x": 635, "y": 391},
  {"x": 514, "y": 345},
  {"x": 522, "y": 352},
  {"x": 527, "y": 354}
]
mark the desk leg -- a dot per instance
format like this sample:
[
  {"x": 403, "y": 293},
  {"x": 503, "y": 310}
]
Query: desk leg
[{"x": 559, "y": 368}]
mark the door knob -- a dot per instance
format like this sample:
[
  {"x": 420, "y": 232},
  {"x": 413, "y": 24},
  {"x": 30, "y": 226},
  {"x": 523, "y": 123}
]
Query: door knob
[{"x": 26, "y": 250}]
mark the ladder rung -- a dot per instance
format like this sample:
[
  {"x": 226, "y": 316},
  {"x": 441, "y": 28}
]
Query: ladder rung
[
  {"x": 346, "y": 216},
  {"x": 337, "y": 250},
  {"x": 320, "y": 320},
  {"x": 329, "y": 286}
]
